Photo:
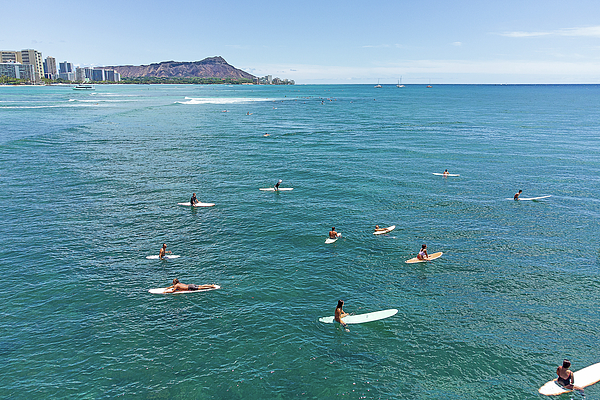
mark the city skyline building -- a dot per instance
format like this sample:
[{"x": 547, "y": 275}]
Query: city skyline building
[
  {"x": 34, "y": 57},
  {"x": 50, "y": 71}
]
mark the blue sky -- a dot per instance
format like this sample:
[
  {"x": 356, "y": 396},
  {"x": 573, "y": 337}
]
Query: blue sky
[{"x": 325, "y": 41}]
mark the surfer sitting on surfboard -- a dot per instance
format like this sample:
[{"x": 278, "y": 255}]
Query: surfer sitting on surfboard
[
  {"x": 446, "y": 173},
  {"x": 423, "y": 253},
  {"x": 177, "y": 286},
  {"x": 333, "y": 234},
  {"x": 339, "y": 313},
  {"x": 193, "y": 200},
  {"x": 277, "y": 185},
  {"x": 516, "y": 197},
  {"x": 565, "y": 377},
  {"x": 163, "y": 251}
]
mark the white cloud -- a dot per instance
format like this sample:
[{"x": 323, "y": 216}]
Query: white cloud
[
  {"x": 457, "y": 44},
  {"x": 590, "y": 31}
]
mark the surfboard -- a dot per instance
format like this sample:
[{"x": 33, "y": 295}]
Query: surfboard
[
  {"x": 362, "y": 318},
  {"x": 167, "y": 256},
  {"x": 437, "y": 173},
  {"x": 530, "y": 198},
  {"x": 387, "y": 230},
  {"x": 273, "y": 189},
  {"x": 197, "y": 204},
  {"x": 431, "y": 257},
  {"x": 162, "y": 290},
  {"x": 584, "y": 377}
]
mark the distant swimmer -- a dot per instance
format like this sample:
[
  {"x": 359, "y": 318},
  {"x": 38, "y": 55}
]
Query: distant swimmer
[
  {"x": 339, "y": 313},
  {"x": 178, "y": 287},
  {"x": 163, "y": 251},
  {"x": 423, "y": 253},
  {"x": 277, "y": 185},
  {"x": 333, "y": 234},
  {"x": 266, "y": 134},
  {"x": 516, "y": 197},
  {"x": 193, "y": 200},
  {"x": 566, "y": 378},
  {"x": 378, "y": 229},
  {"x": 248, "y": 113},
  {"x": 446, "y": 173}
]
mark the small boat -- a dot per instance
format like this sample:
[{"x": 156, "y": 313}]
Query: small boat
[
  {"x": 378, "y": 85},
  {"x": 84, "y": 86},
  {"x": 399, "y": 84}
]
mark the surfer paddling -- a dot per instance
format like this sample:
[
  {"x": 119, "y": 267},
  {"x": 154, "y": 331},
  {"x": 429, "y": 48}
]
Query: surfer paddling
[
  {"x": 378, "y": 229},
  {"x": 339, "y": 313},
  {"x": 423, "y": 253},
  {"x": 180, "y": 287},
  {"x": 333, "y": 234},
  {"x": 193, "y": 200},
  {"x": 163, "y": 251},
  {"x": 516, "y": 196},
  {"x": 566, "y": 378}
]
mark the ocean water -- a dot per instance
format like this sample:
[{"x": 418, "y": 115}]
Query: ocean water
[{"x": 90, "y": 184}]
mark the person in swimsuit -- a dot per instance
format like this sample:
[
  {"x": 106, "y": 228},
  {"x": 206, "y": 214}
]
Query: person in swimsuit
[
  {"x": 423, "y": 253},
  {"x": 333, "y": 234},
  {"x": 193, "y": 200},
  {"x": 446, "y": 173},
  {"x": 178, "y": 286},
  {"x": 565, "y": 377},
  {"x": 339, "y": 313},
  {"x": 277, "y": 185},
  {"x": 516, "y": 197},
  {"x": 163, "y": 251}
]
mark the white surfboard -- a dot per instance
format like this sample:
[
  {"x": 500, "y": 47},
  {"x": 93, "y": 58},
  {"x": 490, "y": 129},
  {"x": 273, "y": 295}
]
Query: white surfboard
[
  {"x": 197, "y": 204},
  {"x": 362, "y": 318},
  {"x": 438, "y": 174},
  {"x": 431, "y": 257},
  {"x": 162, "y": 290},
  {"x": 584, "y": 377},
  {"x": 167, "y": 256},
  {"x": 278, "y": 190},
  {"x": 530, "y": 198},
  {"x": 387, "y": 230}
]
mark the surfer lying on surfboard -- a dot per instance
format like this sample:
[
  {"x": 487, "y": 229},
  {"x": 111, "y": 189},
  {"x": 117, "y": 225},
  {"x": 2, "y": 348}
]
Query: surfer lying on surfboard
[
  {"x": 163, "y": 251},
  {"x": 177, "y": 286},
  {"x": 378, "y": 229}
]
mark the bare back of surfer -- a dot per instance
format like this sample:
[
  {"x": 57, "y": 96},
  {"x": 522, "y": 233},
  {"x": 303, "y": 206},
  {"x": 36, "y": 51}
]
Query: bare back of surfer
[
  {"x": 333, "y": 234},
  {"x": 163, "y": 251},
  {"x": 339, "y": 313},
  {"x": 566, "y": 378},
  {"x": 446, "y": 173},
  {"x": 180, "y": 287}
]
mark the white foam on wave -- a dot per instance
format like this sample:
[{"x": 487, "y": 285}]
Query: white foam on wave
[{"x": 222, "y": 100}]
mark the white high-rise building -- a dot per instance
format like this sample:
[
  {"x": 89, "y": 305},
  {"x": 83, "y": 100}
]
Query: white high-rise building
[{"x": 34, "y": 57}]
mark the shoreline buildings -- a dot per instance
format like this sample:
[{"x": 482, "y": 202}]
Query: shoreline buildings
[{"x": 29, "y": 66}]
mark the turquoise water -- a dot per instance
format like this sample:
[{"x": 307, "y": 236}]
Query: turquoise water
[{"x": 90, "y": 183}]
